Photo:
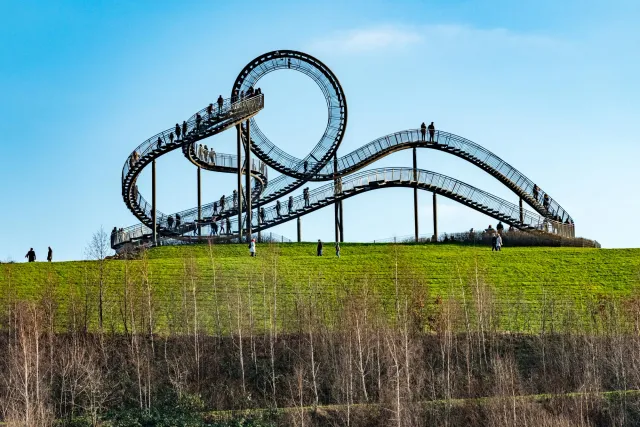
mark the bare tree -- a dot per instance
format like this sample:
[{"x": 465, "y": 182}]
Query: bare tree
[{"x": 98, "y": 250}]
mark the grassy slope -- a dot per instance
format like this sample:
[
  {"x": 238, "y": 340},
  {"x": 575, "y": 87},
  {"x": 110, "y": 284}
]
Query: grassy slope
[{"x": 515, "y": 275}]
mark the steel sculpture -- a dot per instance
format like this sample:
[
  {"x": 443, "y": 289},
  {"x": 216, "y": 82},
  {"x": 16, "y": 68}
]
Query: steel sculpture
[{"x": 344, "y": 174}]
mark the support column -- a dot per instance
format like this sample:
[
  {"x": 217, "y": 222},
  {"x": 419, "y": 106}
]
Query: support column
[
  {"x": 154, "y": 207},
  {"x": 258, "y": 221},
  {"x": 247, "y": 171},
  {"x": 239, "y": 190},
  {"x": 341, "y": 218},
  {"x": 521, "y": 212},
  {"x": 415, "y": 195},
  {"x": 299, "y": 230},
  {"x": 336, "y": 203},
  {"x": 435, "y": 217},
  {"x": 199, "y": 201}
]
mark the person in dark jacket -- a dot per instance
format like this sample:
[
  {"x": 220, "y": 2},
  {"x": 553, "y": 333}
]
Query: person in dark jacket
[
  {"x": 185, "y": 127},
  {"x": 220, "y": 104},
  {"x": 432, "y": 132},
  {"x": 31, "y": 255},
  {"x": 423, "y": 132},
  {"x": 50, "y": 254},
  {"x": 177, "y": 131},
  {"x": 494, "y": 242},
  {"x": 319, "y": 247}
]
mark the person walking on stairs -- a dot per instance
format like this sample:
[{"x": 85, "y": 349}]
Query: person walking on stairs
[
  {"x": 220, "y": 104},
  {"x": 177, "y": 131},
  {"x": 432, "y": 132}
]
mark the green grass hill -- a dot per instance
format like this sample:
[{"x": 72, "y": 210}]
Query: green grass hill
[{"x": 214, "y": 282}]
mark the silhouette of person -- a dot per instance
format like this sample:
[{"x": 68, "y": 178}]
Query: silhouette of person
[
  {"x": 222, "y": 201},
  {"x": 221, "y": 228},
  {"x": 235, "y": 198},
  {"x": 171, "y": 138},
  {"x": 206, "y": 154},
  {"x": 177, "y": 220},
  {"x": 212, "y": 157},
  {"x": 319, "y": 248},
  {"x": 209, "y": 111},
  {"x": 432, "y": 132},
  {"x": 215, "y": 207},
  {"x": 262, "y": 215},
  {"x": 159, "y": 142},
  {"x": 198, "y": 121},
  {"x": 185, "y": 127},
  {"x": 499, "y": 227},
  {"x": 494, "y": 243},
  {"x": 220, "y": 104},
  {"x": 306, "y": 166},
  {"x": 50, "y": 254},
  {"x": 536, "y": 193},
  {"x": 170, "y": 222},
  {"x": 31, "y": 255},
  {"x": 545, "y": 201},
  {"x": 338, "y": 249},
  {"x": 177, "y": 131},
  {"x": 278, "y": 208},
  {"x": 290, "y": 204},
  {"x": 306, "y": 197},
  {"x": 423, "y": 132},
  {"x": 228, "y": 226}
]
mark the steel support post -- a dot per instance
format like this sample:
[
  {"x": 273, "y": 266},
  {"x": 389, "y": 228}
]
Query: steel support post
[
  {"x": 258, "y": 220},
  {"x": 239, "y": 147},
  {"x": 335, "y": 194},
  {"x": 154, "y": 208},
  {"x": 415, "y": 194},
  {"x": 435, "y": 218},
  {"x": 247, "y": 182},
  {"x": 199, "y": 201},
  {"x": 341, "y": 217},
  {"x": 521, "y": 212},
  {"x": 299, "y": 230}
]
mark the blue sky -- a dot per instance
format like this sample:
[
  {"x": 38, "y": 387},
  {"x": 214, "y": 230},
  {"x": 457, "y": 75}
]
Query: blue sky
[{"x": 551, "y": 87}]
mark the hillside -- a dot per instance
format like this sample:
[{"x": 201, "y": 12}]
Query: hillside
[{"x": 177, "y": 281}]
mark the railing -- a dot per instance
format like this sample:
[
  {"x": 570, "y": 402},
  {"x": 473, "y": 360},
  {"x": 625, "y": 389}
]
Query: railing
[
  {"x": 334, "y": 97},
  {"x": 230, "y": 112},
  {"x": 450, "y": 187},
  {"x": 468, "y": 149}
]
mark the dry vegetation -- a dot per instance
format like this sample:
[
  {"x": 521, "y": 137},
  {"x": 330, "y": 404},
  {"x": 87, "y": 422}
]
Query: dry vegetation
[{"x": 317, "y": 346}]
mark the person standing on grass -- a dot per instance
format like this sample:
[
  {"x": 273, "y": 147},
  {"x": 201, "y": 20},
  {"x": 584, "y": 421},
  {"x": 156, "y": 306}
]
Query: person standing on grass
[
  {"x": 252, "y": 247},
  {"x": 31, "y": 255},
  {"x": 338, "y": 249},
  {"x": 494, "y": 243},
  {"x": 498, "y": 242},
  {"x": 319, "y": 247},
  {"x": 50, "y": 254}
]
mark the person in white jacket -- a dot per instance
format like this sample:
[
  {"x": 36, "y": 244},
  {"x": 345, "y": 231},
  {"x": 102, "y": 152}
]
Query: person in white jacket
[
  {"x": 498, "y": 242},
  {"x": 252, "y": 247}
]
